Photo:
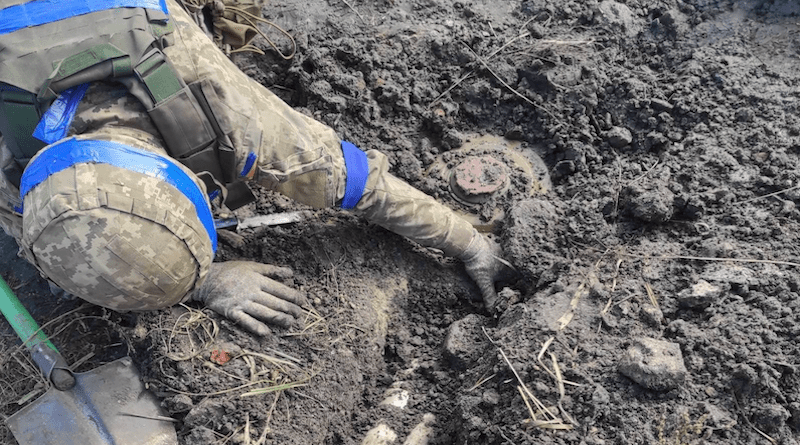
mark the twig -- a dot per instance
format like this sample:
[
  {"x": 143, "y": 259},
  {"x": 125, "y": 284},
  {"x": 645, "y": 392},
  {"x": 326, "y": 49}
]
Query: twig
[
  {"x": 470, "y": 73},
  {"x": 768, "y": 195},
  {"x": 504, "y": 437},
  {"x": 354, "y": 10},
  {"x": 481, "y": 382},
  {"x": 739, "y": 408},
  {"x": 450, "y": 88},
  {"x": 517, "y": 93},
  {"x": 263, "y": 438},
  {"x": 700, "y": 258}
]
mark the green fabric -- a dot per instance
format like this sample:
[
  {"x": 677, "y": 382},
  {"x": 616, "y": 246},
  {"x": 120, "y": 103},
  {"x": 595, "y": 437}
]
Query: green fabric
[
  {"x": 18, "y": 118},
  {"x": 160, "y": 78},
  {"x": 88, "y": 58}
]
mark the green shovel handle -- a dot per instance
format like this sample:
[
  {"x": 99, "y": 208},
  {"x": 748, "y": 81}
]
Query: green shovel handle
[
  {"x": 22, "y": 322},
  {"x": 41, "y": 348}
]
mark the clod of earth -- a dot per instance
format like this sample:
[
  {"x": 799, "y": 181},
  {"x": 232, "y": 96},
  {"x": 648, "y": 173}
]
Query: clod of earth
[
  {"x": 654, "y": 364},
  {"x": 701, "y": 295}
]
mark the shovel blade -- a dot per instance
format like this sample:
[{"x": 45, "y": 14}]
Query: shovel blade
[{"x": 108, "y": 405}]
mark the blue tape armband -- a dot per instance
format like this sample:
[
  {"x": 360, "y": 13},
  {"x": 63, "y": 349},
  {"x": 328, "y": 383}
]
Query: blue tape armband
[
  {"x": 41, "y": 12},
  {"x": 248, "y": 164},
  {"x": 56, "y": 120},
  {"x": 58, "y": 157},
  {"x": 357, "y": 171}
]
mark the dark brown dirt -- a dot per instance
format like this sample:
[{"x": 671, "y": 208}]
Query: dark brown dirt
[{"x": 671, "y": 134}]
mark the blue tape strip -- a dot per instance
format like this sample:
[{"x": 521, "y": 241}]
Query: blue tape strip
[
  {"x": 56, "y": 120},
  {"x": 41, "y": 12},
  {"x": 357, "y": 171},
  {"x": 58, "y": 157},
  {"x": 248, "y": 164}
]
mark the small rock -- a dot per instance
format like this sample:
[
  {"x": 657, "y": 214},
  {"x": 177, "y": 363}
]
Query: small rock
[
  {"x": 382, "y": 434},
  {"x": 653, "y": 315},
  {"x": 423, "y": 432},
  {"x": 491, "y": 397},
  {"x": 536, "y": 30},
  {"x": 201, "y": 434},
  {"x": 654, "y": 364},
  {"x": 616, "y": 14},
  {"x": 653, "y": 203},
  {"x": 600, "y": 396},
  {"x": 771, "y": 417},
  {"x": 661, "y": 105},
  {"x": 718, "y": 417},
  {"x": 396, "y": 397},
  {"x": 177, "y": 404},
  {"x": 204, "y": 412},
  {"x": 465, "y": 342},
  {"x": 619, "y": 137},
  {"x": 700, "y": 295}
]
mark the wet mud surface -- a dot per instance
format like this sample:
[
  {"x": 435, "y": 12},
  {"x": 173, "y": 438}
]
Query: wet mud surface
[{"x": 656, "y": 294}]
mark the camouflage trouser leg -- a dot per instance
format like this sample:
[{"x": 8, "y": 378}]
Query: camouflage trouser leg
[{"x": 301, "y": 157}]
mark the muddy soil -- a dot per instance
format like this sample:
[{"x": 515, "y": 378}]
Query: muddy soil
[{"x": 656, "y": 293}]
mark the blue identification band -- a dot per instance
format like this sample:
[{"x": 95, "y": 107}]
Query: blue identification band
[
  {"x": 55, "y": 122},
  {"x": 58, "y": 157},
  {"x": 357, "y": 171},
  {"x": 41, "y": 12}
]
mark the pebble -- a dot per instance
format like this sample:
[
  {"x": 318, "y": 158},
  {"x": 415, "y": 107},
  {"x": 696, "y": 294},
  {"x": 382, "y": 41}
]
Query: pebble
[
  {"x": 619, "y": 137},
  {"x": 701, "y": 295},
  {"x": 654, "y": 364}
]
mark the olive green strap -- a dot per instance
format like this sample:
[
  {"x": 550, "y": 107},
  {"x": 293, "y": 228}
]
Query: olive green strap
[
  {"x": 159, "y": 77},
  {"x": 96, "y": 63}
]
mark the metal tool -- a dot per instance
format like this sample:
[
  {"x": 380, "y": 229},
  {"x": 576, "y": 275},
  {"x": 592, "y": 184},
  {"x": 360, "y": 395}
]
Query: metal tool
[{"x": 107, "y": 405}]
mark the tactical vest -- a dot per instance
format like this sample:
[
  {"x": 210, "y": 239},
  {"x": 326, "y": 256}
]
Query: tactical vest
[{"x": 49, "y": 47}]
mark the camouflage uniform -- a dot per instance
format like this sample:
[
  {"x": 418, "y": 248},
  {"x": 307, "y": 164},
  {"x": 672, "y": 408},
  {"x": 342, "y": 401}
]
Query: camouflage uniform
[{"x": 296, "y": 155}]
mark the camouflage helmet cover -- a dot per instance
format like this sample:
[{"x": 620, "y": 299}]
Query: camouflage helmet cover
[{"x": 118, "y": 226}]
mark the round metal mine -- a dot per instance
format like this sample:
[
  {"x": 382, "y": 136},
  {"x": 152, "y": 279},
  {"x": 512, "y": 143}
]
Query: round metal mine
[{"x": 478, "y": 178}]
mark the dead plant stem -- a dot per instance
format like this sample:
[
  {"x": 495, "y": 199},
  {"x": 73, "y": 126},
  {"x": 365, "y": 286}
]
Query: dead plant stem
[{"x": 700, "y": 258}]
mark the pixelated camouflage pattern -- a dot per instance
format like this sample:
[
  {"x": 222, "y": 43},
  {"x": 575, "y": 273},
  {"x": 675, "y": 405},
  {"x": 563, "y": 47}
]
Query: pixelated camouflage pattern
[
  {"x": 301, "y": 157},
  {"x": 297, "y": 156},
  {"x": 117, "y": 238}
]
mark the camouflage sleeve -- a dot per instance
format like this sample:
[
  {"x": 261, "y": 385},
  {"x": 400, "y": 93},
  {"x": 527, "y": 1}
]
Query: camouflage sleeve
[
  {"x": 10, "y": 221},
  {"x": 299, "y": 156}
]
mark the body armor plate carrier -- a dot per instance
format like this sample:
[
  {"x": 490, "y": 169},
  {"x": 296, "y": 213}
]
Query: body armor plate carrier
[{"x": 38, "y": 62}]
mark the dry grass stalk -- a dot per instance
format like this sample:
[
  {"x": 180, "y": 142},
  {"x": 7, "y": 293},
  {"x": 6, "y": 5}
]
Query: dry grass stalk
[
  {"x": 318, "y": 326},
  {"x": 481, "y": 382},
  {"x": 580, "y": 292},
  {"x": 356, "y": 12},
  {"x": 269, "y": 389},
  {"x": 700, "y": 258},
  {"x": 263, "y": 438},
  {"x": 191, "y": 324},
  {"x": 768, "y": 195},
  {"x": 509, "y": 87},
  {"x": 272, "y": 360},
  {"x": 651, "y": 295},
  {"x": 552, "y": 421},
  {"x": 471, "y": 73},
  {"x": 553, "y": 374}
]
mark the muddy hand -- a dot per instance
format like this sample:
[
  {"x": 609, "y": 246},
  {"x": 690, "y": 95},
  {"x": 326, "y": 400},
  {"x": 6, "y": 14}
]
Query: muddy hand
[
  {"x": 246, "y": 293},
  {"x": 484, "y": 264}
]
